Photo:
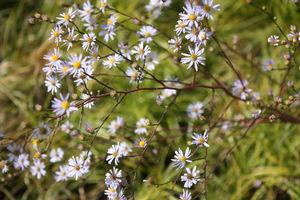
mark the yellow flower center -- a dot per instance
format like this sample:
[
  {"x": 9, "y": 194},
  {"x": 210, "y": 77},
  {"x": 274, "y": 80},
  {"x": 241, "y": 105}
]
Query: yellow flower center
[
  {"x": 147, "y": 34},
  {"x": 194, "y": 56},
  {"x": 115, "y": 154},
  {"x": 142, "y": 143},
  {"x": 55, "y": 33},
  {"x": 35, "y": 142},
  {"x": 65, "y": 105},
  {"x": 89, "y": 40},
  {"x": 54, "y": 57},
  {"x": 201, "y": 140},
  {"x": 207, "y": 8},
  {"x": 67, "y": 17},
  {"x": 192, "y": 17},
  {"x": 182, "y": 159},
  {"x": 112, "y": 60},
  {"x": 77, "y": 167},
  {"x": 109, "y": 21},
  {"x": 37, "y": 155},
  {"x": 76, "y": 64},
  {"x": 65, "y": 69}
]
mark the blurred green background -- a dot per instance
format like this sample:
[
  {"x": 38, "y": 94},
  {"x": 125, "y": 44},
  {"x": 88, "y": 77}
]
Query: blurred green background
[{"x": 266, "y": 164}]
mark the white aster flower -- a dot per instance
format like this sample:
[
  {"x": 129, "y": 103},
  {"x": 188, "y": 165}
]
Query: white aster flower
[
  {"x": 56, "y": 34},
  {"x": 181, "y": 27},
  {"x": 77, "y": 167},
  {"x": 78, "y": 63},
  {"x": 56, "y": 155},
  {"x": 114, "y": 154},
  {"x": 66, "y": 18},
  {"x": 14, "y": 151},
  {"x": 268, "y": 65},
  {"x": 135, "y": 76},
  {"x": 112, "y": 61},
  {"x": 87, "y": 103},
  {"x": 201, "y": 139},
  {"x": 274, "y": 40},
  {"x": 43, "y": 131},
  {"x": 191, "y": 15},
  {"x": 52, "y": 84},
  {"x": 113, "y": 177},
  {"x": 151, "y": 61},
  {"x": 21, "y": 162},
  {"x": 194, "y": 58},
  {"x": 195, "y": 110},
  {"x": 125, "y": 148},
  {"x": 88, "y": 40},
  {"x": 87, "y": 10},
  {"x": 207, "y": 9},
  {"x": 175, "y": 44},
  {"x": 180, "y": 159},
  {"x": 70, "y": 38},
  {"x": 186, "y": 195},
  {"x": 53, "y": 58},
  {"x": 146, "y": 33},
  {"x": 115, "y": 125},
  {"x": 102, "y": 5},
  {"x": 191, "y": 177},
  {"x": 38, "y": 168},
  {"x": 62, "y": 173},
  {"x": 63, "y": 106},
  {"x": 141, "y": 142},
  {"x": 141, "y": 126},
  {"x": 141, "y": 51}
]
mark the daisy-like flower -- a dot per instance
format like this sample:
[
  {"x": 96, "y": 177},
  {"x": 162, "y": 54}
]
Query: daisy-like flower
[
  {"x": 141, "y": 51},
  {"x": 21, "y": 162},
  {"x": 88, "y": 40},
  {"x": 136, "y": 76},
  {"x": 85, "y": 75},
  {"x": 146, "y": 33},
  {"x": 107, "y": 33},
  {"x": 113, "y": 177},
  {"x": 88, "y": 104},
  {"x": 77, "y": 63},
  {"x": 191, "y": 177},
  {"x": 94, "y": 54},
  {"x": 203, "y": 36},
  {"x": 77, "y": 167},
  {"x": 141, "y": 126},
  {"x": 175, "y": 44},
  {"x": 268, "y": 65},
  {"x": 63, "y": 106},
  {"x": 111, "y": 22},
  {"x": 43, "y": 131},
  {"x": 141, "y": 142},
  {"x": 186, "y": 195},
  {"x": 102, "y": 5},
  {"x": 53, "y": 58},
  {"x": 38, "y": 168},
  {"x": 115, "y": 125},
  {"x": 274, "y": 40},
  {"x": 70, "y": 38},
  {"x": 194, "y": 58},
  {"x": 63, "y": 69},
  {"x": 201, "y": 139},
  {"x": 195, "y": 110},
  {"x": 192, "y": 33},
  {"x": 111, "y": 192},
  {"x": 52, "y": 84},
  {"x": 114, "y": 154},
  {"x": 14, "y": 151},
  {"x": 125, "y": 51},
  {"x": 180, "y": 159},
  {"x": 181, "y": 27},
  {"x": 240, "y": 89},
  {"x": 207, "y": 9},
  {"x": 151, "y": 61},
  {"x": 67, "y": 127},
  {"x": 86, "y": 11},
  {"x": 56, "y": 34},
  {"x": 56, "y": 155},
  {"x": 125, "y": 148},
  {"x": 66, "y": 18},
  {"x": 191, "y": 15},
  {"x": 112, "y": 61},
  {"x": 62, "y": 173}
]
